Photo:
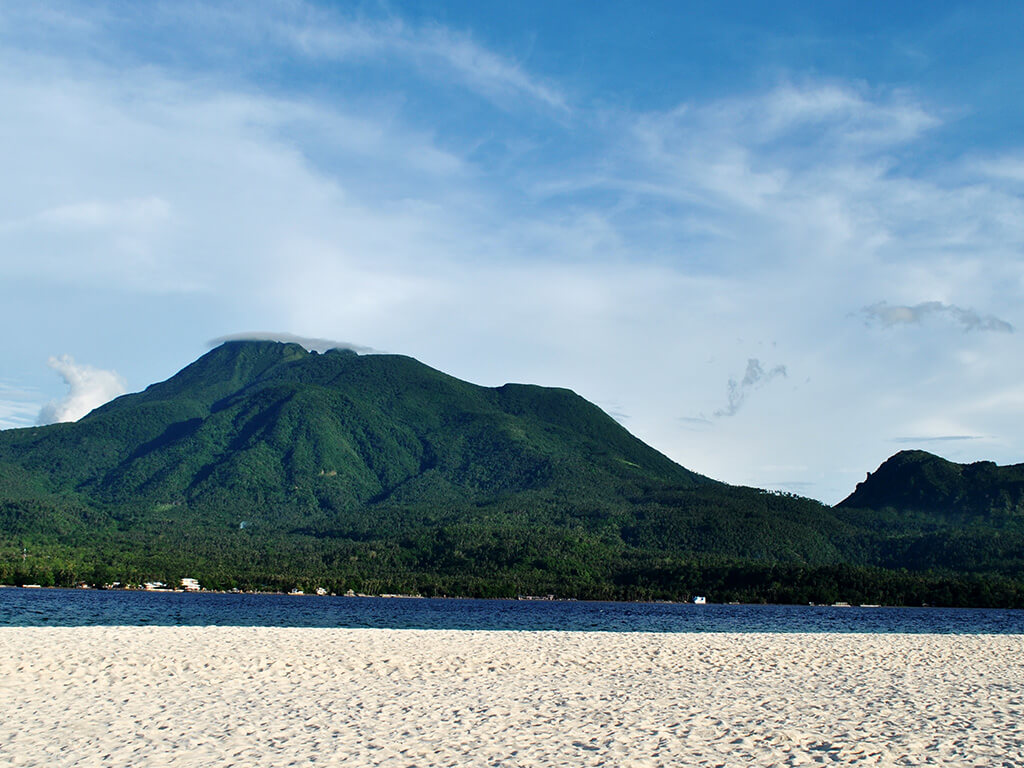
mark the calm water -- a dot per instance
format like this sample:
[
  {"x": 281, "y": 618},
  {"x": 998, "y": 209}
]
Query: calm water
[{"x": 61, "y": 607}]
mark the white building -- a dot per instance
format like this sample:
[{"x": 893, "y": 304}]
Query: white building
[{"x": 190, "y": 585}]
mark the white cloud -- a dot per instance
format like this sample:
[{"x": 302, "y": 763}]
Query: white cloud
[
  {"x": 223, "y": 177},
  {"x": 312, "y": 344},
  {"x": 93, "y": 214},
  {"x": 88, "y": 388}
]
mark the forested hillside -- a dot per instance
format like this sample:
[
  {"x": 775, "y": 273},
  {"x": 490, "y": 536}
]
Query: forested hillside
[{"x": 262, "y": 465}]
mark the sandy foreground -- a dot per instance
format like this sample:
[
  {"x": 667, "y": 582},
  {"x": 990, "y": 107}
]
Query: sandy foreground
[{"x": 219, "y": 696}]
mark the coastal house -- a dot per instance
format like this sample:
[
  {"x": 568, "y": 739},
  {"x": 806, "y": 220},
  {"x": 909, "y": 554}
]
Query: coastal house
[{"x": 190, "y": 585}]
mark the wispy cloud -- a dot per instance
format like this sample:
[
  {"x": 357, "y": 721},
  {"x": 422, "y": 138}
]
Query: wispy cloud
[
  {"x": 435, "y": 50},
  {"x": 832, "y": 117},
  {"x": 935, "y": 439},
  {"x": 18, "y": 406},
  {"x": 92, "y": 214},
  {"x": 310, "y": 343},
  {"x": 890, "y": 315},
  {"x": 265, "y": 31},
  {"x": 800, "y": 175},
  {"x": 1008, "y": 167},
  {"x": 88, "y": 388},
  {"x": 755, "y": 377}
]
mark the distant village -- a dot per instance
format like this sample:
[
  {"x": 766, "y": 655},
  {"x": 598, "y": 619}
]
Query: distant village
[{"x": 188, "y": 584}]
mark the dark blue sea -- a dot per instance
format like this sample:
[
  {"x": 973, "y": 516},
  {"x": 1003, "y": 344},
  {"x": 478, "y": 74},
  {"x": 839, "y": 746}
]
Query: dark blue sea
[{"x": 78, "y": 607}]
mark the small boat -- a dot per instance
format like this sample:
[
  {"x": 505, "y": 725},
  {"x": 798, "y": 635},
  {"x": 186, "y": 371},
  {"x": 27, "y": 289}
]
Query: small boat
[{"x": 699, "y": 600}]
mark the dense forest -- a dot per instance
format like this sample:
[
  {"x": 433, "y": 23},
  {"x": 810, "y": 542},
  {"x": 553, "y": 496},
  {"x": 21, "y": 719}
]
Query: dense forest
[{"x": 264, "y": 466}]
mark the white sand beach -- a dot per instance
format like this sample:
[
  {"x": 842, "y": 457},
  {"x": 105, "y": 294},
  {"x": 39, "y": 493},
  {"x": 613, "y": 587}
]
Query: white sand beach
[{"x": 186, "y": 696}]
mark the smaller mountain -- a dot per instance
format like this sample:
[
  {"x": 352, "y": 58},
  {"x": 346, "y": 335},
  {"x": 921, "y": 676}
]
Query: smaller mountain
[
  {"x": 924, "y": 513},
  {"x": 920, "y": 482}
]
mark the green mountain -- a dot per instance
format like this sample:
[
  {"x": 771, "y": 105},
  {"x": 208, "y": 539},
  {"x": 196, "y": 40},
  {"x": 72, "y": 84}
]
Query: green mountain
[
  {"x": 262, "y": 465},
  {"x": 259, "y": 422},
  {"x": 929, "y": 513},
  {"x": 917, "y": 481}
]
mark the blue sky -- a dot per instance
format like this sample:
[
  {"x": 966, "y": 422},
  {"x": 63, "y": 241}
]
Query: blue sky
[{"x": 779, "y": 242}]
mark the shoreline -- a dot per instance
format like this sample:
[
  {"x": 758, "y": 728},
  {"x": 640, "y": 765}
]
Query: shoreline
[
  {"x": 518, "y": 598},
  {"x": 205, "y": 696}
]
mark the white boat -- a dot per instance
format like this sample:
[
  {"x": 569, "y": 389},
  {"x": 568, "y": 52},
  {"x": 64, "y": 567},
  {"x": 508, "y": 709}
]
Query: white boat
[{"x": 699, "y": 600}]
